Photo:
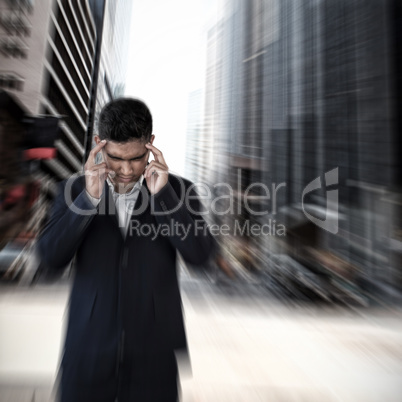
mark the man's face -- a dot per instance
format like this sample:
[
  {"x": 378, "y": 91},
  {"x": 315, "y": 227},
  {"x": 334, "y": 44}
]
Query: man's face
[{"x": 128, "y": 160}]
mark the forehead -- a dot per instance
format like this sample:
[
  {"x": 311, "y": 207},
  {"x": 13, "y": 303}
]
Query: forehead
[{"x": 124, "y": 150}]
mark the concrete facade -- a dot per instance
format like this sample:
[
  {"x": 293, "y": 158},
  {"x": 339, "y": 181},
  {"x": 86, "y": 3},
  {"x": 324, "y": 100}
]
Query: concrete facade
[{"x": 29, "y": 68}]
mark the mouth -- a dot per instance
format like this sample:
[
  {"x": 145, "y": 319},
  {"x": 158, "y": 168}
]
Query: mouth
[{"x": 125, "y": 179}]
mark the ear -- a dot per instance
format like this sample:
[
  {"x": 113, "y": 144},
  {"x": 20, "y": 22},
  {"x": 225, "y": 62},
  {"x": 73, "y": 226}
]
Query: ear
[
  {"x": 152, "y": 139},
  {"x": 97, "y": 139}
]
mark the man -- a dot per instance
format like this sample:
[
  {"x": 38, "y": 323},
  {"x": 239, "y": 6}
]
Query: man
[{"x": 123, "y": 222}]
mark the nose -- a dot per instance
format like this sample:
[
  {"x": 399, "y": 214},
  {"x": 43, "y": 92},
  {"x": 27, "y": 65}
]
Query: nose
[{"x": 126, "y": 168}]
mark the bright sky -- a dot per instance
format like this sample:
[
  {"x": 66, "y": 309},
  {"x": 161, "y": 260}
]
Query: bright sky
[{"x": 167, "y": 60}]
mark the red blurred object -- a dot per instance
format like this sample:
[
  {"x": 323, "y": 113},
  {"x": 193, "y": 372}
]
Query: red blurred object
[
  {"x": 40, "y": 153},
  {"x": 15, "y": 194},
  {"x": 21, "y": 193}
]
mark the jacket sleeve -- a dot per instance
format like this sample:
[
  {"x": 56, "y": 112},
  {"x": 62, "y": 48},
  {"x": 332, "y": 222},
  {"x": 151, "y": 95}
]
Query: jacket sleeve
[
  {"x": 65, "y": 228},
  {"x": 196, "y": 244}
]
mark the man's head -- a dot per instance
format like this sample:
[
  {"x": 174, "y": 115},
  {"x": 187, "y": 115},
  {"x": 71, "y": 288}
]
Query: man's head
[
  {"x": 125, "y": 119},
  {"x": 126, "y": 125}
]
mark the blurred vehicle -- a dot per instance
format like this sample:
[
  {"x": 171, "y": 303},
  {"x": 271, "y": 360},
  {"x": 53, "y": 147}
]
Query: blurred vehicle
[{"x": 24, "y": 141}]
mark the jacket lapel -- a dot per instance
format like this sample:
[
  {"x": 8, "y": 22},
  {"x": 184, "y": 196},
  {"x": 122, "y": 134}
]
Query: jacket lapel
[
  {"x": 107, "y": 206},
  {"x": 142, "y": 202}
]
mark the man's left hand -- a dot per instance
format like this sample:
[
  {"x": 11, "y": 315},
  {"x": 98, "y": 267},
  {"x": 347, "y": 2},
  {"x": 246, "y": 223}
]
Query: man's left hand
[{"x": 156, "y": 173}]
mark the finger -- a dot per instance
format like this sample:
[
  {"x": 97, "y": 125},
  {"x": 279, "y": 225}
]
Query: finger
[
  {"x": 156, "y": 152},
  {"x": 155, "y": 173},
  {"x": 154, "y": 164},
  {"x": 154, "y": 176},
  {"x": 155, "y": 168},
  {"x": 99, "y": 166},
  {"x": 151, "y": 173},
  {"x": 95, "y": 151},
  {"x": 89, "y": 167},
  {"x": 98, "y": 171}
]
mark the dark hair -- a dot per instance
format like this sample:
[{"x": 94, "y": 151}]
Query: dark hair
[{"x": 125, "y": 119}]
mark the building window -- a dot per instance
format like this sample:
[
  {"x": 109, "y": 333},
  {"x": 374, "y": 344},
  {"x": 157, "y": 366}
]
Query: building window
[
  {"x": 26, "y": 5},
  {"x": 11, "y": 81},
  {"x": 12, "y": 47},
  {"x": 15, "y": 23}
]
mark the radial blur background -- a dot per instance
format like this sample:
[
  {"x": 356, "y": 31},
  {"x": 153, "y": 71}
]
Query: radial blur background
[{"x": 285, "y": 113}]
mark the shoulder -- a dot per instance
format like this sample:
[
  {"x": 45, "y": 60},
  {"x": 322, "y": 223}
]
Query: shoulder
[
  {"x": 73, "y": 185},
  {"x": 179, "y": 183}
]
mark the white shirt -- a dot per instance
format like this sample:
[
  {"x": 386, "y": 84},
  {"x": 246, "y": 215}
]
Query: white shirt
[{"x": 125, "y": 203}]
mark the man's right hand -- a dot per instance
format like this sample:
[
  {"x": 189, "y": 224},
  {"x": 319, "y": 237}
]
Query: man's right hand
[{"x": 95, "y": 174}]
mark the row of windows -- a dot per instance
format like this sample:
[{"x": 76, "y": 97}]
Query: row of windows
[
  {"x": 58, "y": 69},
  {"x": 83, "y": 28},
  {"x": 89, "y": 18},
  {"x": 64, "y": 137},
  {"x": 11, "y": 81},
  {"x": 58, "y": 100},
  {"x": 67, "y": 59},
  {"x": 89, "y": 39},
  {"x": 62, "y": 23},
  {"x": 12, "y": 47},
  {"x": 15, "y": 23},
  {"x": 71, "y": 69},
  {"x": 23, "y": 5}
]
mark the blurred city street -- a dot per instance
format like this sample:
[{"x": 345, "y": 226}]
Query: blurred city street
[
  {"x": 244, "y": 345},
  {"x": 276, "y": 165}
]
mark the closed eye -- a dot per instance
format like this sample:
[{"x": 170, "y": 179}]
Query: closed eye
[{"x": 116, "y": 158}]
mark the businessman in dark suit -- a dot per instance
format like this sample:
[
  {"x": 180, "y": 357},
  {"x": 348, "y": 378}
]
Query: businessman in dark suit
[{"x": 122, "y": 222}]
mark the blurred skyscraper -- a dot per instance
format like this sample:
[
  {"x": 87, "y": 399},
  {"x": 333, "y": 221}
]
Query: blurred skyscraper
[
  {"x": 65, "y": 58},
  {"x": 52, "y": 55},
  {"x": 296, "y": 89},
  {"x": 62, "y": 58},
  {"x": 112, "y": 19},
  {"x": 23, "y": 31},
  {"x": 194, "y": 137}
]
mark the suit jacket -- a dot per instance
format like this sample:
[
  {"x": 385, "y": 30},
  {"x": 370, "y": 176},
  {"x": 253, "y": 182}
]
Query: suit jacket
[{"x": 125, "y": 295}]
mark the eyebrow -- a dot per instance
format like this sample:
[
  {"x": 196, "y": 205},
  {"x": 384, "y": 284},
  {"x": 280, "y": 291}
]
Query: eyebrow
[{"x": 129, "y": 159}]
